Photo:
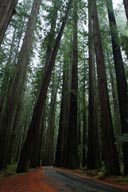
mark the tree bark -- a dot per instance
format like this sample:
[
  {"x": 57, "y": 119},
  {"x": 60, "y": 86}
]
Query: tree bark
[
  {"x": 121, "y": 80},
  {"x": 61, "y": 155},
  {"x": 7, "y": 10},
  {"x": 39, "y": 106},
  {"x": 10, "y": 64},
  {"x": 116, "y": 112},
  {"x": 16, "y": 88},
  {"x": 35, "y": 161},
  {"x": 72, "y": 137},
  {"x": 126, "y": 7},
  {"x": 93, "y": 152},
  {"x": 49, "y": 149},
  {"x": 110, "y": 155},
  {"x": 84, "y": 119}
]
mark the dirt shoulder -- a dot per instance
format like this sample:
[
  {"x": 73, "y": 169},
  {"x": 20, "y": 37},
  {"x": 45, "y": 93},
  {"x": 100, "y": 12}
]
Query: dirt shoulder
[{"x": 34, "y": 181}]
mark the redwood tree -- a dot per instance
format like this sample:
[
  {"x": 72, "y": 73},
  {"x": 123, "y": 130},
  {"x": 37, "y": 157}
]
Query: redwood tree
[
  {"x": 72, "y": 134},
  {"x": 109, "y": 151},
  {"x": 61, "y": 148},
  {"x": 16, "y": 89},
  {"x": 53, "y": 11},
  {"x": 92, "y": 154},
  {"x": 126, "y": 7},
  {"x": 121, "y": 80},
  {"x": 7, "y": 10},
  {"x": 50, "y": 137},
  {"x": 26, "y": 151}
]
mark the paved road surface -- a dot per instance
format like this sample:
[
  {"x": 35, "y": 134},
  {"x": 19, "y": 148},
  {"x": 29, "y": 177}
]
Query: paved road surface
[{"x": 69, "y": 183}]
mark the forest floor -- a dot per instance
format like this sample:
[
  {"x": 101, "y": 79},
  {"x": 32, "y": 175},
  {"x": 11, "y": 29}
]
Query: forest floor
[
  {"x": 38, "y": 180},
  {"x": 33, "y": 181}
]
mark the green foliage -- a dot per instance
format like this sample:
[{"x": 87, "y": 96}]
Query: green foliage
[
  {"x": 36, "y": 81},
  {"x": 2, "y": 59},
  {"x": 124, "y": 137},
  {"x": 124, "y": 40},
  {"x": 92, "y": 172},
  {"x": 100, "y": 175},
  {"x": 123, "y": 180},
  {"x": 11, "y": 170}
]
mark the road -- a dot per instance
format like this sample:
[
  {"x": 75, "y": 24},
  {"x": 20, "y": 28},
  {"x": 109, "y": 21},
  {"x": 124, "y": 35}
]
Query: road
[{"x": 67, "y": 182}]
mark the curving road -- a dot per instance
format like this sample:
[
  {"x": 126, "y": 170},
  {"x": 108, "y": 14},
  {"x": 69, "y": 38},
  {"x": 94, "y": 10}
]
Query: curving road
[{"x": 66, "y": 182}]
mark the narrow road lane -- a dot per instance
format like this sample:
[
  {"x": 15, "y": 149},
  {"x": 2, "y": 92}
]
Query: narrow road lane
[{"x": 70, "y": 183}]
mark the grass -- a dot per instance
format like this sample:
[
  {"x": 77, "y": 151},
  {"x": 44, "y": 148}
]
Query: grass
[{"x": 122, "y": 179}]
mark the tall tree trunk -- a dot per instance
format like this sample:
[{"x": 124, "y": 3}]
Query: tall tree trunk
[
  {"x": 92, "y": 154},
  {"x": 42, "y": 139},
  {"x": 7, "y": 10},
  {"x": 126, "y": 7},
  {"x": 49, "y": 149},
  {"x": 60, "y": 157},
  {"x": 35, "y": 161},
  {"x": 121, "y": 81},
  {"x": 84, "y": 119},
  {"x": 51, "y": 34},
  {"x": 17, "y": 129},
  {"x": 116, "y": 112},
  {"x": 10, "y": 65},
  {"x": 110, "y": 155},
  {"x": 16, "y": 88},
  {"x": 7, "y": 74},
  {"x": 72, "y": 137},
  {"x": 40, "y": 104}
]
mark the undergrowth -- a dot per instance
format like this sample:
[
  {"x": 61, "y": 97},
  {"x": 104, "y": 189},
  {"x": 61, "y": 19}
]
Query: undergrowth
[{"x": 10, "y": 171}]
